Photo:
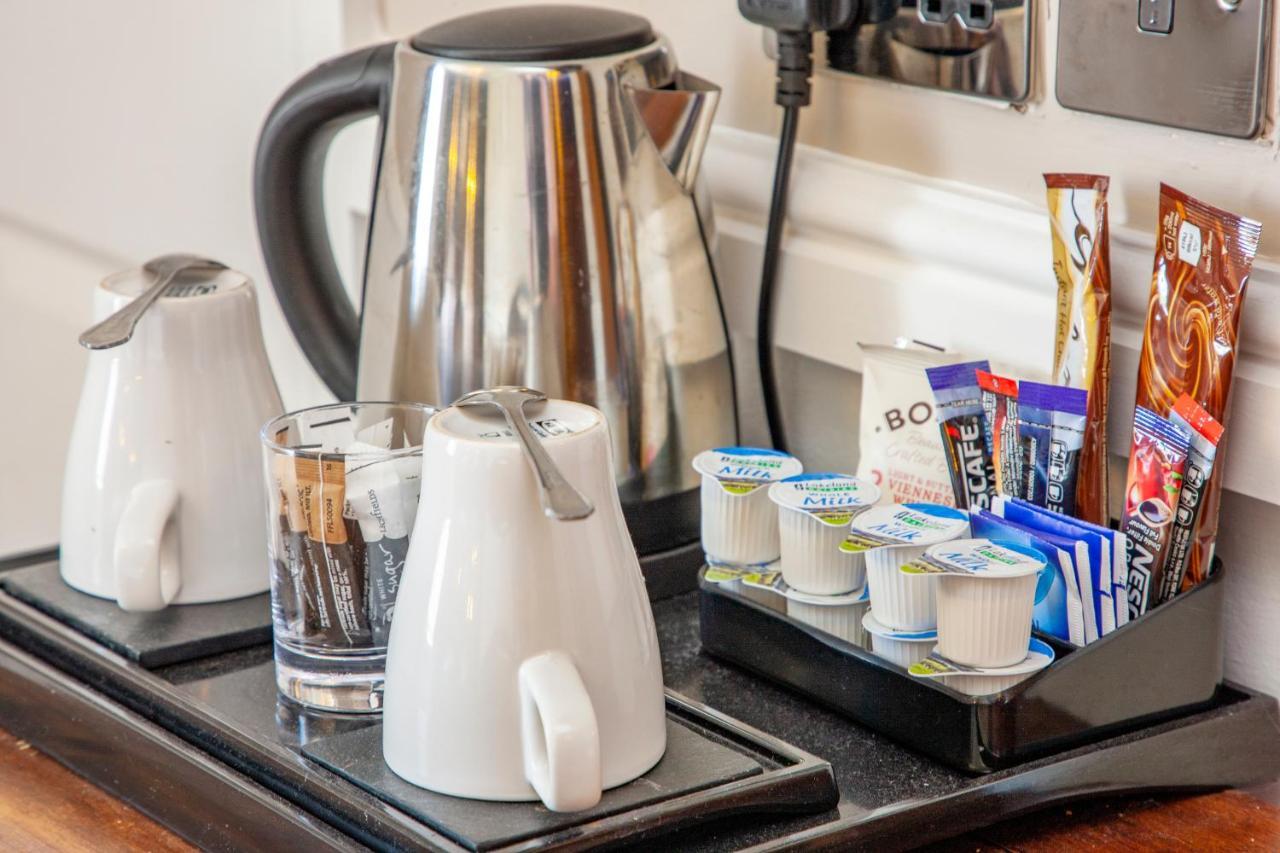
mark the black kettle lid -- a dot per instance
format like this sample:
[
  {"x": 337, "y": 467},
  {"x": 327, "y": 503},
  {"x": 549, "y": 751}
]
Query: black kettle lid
[{"x": 535, "y": 33}]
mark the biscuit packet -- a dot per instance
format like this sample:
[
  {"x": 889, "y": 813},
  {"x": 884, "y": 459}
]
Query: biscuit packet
[{"x": 899, "y": 448}]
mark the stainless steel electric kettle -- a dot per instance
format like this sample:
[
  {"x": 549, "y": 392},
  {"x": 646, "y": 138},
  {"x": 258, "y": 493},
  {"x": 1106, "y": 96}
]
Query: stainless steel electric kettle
[{"x": 534, "y": 223}]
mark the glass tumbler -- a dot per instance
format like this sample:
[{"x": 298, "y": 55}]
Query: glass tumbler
[{"x": 342, "y": 491}]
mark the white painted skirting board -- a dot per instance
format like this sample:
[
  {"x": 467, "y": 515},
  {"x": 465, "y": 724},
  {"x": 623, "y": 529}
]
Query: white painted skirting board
[{"x": 874, "y": 253}]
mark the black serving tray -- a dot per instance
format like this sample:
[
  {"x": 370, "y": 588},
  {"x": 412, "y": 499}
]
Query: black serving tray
[
  {"x": 226, "y": 706},
  {"x": 212, "y": 755},
  {"x": 1164, "y": 664}
]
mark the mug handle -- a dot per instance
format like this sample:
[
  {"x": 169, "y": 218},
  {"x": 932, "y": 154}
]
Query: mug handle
[
  {"x": 146, "y": 561},
  {"x": 561, "y": 741}
]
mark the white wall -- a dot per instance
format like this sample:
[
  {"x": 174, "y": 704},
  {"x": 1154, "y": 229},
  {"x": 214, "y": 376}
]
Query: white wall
[
  {"x": 143, "y": 144},
  {"x": 129, "y": 132}
]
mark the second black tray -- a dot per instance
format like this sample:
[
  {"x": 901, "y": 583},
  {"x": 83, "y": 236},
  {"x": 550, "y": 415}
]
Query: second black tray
[
  {"x": 173, "y": 635},
  {"x": 1166, "y": 663}
]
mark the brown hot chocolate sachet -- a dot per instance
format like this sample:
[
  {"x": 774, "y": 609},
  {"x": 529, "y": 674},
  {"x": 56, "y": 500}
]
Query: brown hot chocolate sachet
[{"x": 1191, "y": 338}]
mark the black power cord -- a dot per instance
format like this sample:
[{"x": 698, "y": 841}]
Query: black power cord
[
  {"x": 795, "y": 22},
  {"x": 795, "y": 65}
]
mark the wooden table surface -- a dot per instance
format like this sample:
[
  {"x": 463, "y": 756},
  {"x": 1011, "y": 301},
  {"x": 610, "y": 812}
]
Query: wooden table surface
[{"x": 45, "y": 807}]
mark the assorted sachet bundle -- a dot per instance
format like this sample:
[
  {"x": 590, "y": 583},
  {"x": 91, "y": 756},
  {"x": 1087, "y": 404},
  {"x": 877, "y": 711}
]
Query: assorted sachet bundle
[{"x": 1028, "y": 459}]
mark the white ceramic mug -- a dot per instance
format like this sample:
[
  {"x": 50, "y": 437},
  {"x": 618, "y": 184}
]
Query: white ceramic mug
[
  {"x": 162, "y": 494},
  {"x": 523, "y": 661}
]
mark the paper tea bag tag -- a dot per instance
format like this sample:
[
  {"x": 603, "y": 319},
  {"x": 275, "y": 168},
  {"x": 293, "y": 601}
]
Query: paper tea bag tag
[
  {"x": 742, "y": 470},
  {"x": 321, "y": 490},
  {"x": 373, "y": 496},
  {"x": 377, "y": 435},
  {"x": 833, "y": 499},
  {"x": 329, "y": 436},
  {"x": 904, "y": 524}
]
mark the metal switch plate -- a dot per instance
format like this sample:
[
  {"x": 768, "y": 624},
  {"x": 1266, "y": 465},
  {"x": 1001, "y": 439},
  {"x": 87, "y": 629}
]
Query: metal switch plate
[
  {"x": 975, "y": 47},
  {"x": 1156, "y": 16},
  {"x": 1207, "y": 72}
]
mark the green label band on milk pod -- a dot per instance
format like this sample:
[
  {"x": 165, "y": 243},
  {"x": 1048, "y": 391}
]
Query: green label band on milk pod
[
  {"x": 904, "y": 524},
  {"x": 726, "y": 574},
  {"x": 741, "y": 470},
  {"x": 771, "y": 580},
  {"x": 1039, "y": 655},
  {"x": 833, "y": 499}
]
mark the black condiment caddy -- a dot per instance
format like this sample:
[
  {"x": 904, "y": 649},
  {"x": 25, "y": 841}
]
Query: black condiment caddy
[{"x": 1166, "y": 663}]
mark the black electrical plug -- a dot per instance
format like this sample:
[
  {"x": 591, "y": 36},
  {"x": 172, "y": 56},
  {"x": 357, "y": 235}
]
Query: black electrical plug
[
  {"x": 799, "y": 16},
  {"x": 795, "y": 22}
]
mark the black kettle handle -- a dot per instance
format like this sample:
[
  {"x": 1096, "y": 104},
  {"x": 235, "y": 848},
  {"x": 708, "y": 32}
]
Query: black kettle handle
[{"x": 288, "y": 195}]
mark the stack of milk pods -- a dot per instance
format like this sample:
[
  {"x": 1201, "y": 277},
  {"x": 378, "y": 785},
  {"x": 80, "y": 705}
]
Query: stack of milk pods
[
  {"x": 903, "y": 618},
  {"x": 824, "y": 586},
  {"x": 739, "y": 524},
  {"x": 776, "y": 534},
  {"x": 986, "y": 592}
]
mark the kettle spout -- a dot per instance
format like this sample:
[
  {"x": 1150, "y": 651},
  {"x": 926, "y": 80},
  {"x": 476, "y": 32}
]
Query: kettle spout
[{"x": 678, "y": 120}]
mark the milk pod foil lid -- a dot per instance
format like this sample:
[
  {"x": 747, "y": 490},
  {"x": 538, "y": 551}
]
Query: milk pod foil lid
[
  {"x": 976, "y": 558},
  {"x": 833, "y": 499},
  {"x": 894, "y": 525},
  {"x": 742, "y": 470}
]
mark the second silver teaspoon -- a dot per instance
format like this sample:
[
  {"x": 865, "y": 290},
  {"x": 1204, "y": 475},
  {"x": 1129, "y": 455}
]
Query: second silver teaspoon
[{"x": 559, "y": 499}]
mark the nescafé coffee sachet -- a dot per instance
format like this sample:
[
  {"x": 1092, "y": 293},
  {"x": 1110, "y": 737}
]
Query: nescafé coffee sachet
[
  {"x": 1156, "y": 464},
  {"x": 958, "y": 406}
]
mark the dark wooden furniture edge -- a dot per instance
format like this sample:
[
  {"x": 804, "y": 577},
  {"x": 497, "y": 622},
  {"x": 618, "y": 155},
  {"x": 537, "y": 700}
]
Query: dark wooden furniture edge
[{"x": 139, "y": 762}]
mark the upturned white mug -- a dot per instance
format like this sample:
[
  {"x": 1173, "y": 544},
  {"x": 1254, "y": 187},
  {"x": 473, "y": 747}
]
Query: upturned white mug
[
  {"x": 162, "y": 499},
  {"x": 523, "y": 661}
]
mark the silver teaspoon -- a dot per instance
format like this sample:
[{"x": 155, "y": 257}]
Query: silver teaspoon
[
  {"x": 118, "y": 328},
  {"x": 559, "y": 499}
]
